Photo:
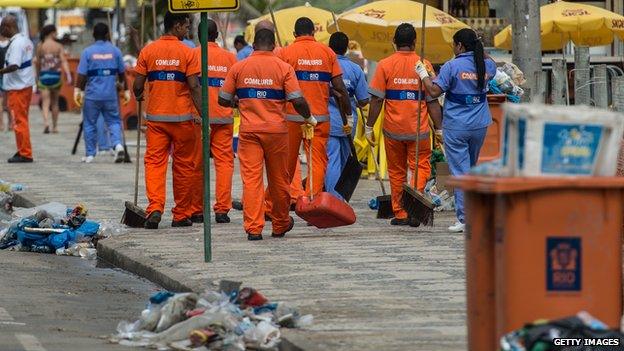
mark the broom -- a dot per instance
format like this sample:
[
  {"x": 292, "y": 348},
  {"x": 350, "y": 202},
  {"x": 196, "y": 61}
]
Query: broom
[
  {"x": 418, "y": 207},
  {"x": 384, "y": 202},
  {"x": 133, "y": 215}
]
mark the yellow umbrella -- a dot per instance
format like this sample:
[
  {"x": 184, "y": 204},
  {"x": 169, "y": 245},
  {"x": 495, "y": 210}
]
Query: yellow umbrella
[
  {"x": 94, "y": 4},
  {"x": 28, "y": 4},
  {"x": 373, "y": 26},
  {"x": 286, "y": 23},
  {"x": 562, "y": 21}
]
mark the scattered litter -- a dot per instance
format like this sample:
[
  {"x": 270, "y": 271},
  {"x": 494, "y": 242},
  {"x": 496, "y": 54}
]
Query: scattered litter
[
  {"x": 7, "y": 187},
  {"x": 506, "y": 82},
  {"x": 441, "y": 199},
  {"x": 230, "y": 319},
  {"x": 52, "y": 228},
  {"x": 540, "y": 334}
]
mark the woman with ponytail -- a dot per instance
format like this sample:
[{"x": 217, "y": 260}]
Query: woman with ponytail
[{"x": 466, "y": 115}]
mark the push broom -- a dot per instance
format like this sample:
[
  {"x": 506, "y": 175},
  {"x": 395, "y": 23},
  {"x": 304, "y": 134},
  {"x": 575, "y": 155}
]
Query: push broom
[
  {"x": 133, "y": 215},
  {"x": 418, "y": 207}
]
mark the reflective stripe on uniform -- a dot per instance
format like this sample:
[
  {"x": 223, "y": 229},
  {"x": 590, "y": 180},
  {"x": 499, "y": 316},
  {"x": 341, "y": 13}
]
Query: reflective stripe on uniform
[
  {"x": 169, "y": 118},
  {"x": 221, "y": 120},
  {"x": 466, "y": 99},
  {"x": 313, "y": 76},
  {"x": 377, "y": 93},
  {"x": 225, "y": 96},
  {"x": 294, "y": 95},
  {"x": 166, "y": 76},
  {"x": 102, "y": 72},
  {"x": 264, "y": 94},
  {"x": 299, "y": 118},
  {"x": 406, "y": 137}
]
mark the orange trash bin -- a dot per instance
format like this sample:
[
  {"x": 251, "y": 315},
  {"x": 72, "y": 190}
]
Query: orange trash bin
[
  {"x": 491, "y": 149},
  {"x": 541, "y": 248}
]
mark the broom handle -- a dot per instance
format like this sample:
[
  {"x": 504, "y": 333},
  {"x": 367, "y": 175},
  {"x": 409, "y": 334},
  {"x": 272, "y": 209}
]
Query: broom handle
[
  {"x": 138, "y": 153},
  {"x": 139, "y": 117},
  {"x": 310, "y": 169},
  {"x": 277, "y": 35},
  {"x": 377, "y": 172},
  {"x": 420, "y": 92}
]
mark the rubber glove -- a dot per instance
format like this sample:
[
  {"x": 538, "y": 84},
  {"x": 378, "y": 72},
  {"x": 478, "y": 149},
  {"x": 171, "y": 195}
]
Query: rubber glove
[
  {"x": 421, "y": 70},
  {"x": 78, "y": 96},
  {"x": 370, "y": 136},
  {"x": 348, "y": 128},
  {"x": 126, "y": 97}
]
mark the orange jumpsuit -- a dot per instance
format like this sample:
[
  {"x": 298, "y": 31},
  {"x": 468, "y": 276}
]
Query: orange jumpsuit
[
  {"x": 315, "y": 65},
  {"x": 263, "y": 84},
  {"x": 167, "y": 63},
  {"x": 397, "y": 82},
  {"x": 221, "y": 132}
]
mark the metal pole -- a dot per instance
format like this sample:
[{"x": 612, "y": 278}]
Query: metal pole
[
  {"x": 118, "y": 14},
  {"x": 527, "y": 42},
  {"x": 582, "y": 84},
  {"x": 203, "y": 42},
  {"x": 277, "y": 35},
  {"x": 541, "y": 82},
  {"x": 618, "y": 93},
  {"x": 559, "y": 82},
  {"x": 601, "y": 90}
]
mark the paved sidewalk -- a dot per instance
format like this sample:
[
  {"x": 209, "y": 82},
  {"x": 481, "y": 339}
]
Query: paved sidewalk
[{"x": 370, "y": 286}]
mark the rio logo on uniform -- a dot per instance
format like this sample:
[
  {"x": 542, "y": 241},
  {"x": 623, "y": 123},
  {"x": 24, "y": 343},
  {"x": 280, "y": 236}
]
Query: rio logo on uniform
[{"x": 563, "y": 268}]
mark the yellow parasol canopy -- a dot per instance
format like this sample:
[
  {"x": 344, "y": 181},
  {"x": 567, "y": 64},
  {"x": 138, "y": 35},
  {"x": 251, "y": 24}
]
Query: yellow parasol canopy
[
  {"x": 28, "y": 4},
  {"x": 94, "y": 4},
  {"x": 286, "y": 23},
  {"x": 562, "y": 21},
  {"x": 373, "y": 25}
]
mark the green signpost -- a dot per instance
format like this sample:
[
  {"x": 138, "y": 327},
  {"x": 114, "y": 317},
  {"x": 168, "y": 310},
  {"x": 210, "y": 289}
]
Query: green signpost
[{"x": 204, "y": 6}]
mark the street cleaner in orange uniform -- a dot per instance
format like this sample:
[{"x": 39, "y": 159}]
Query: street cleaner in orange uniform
[
  {"x": 316, "y": 65},
  {"x": 221, "y": 132},
  {"x": 263, "y": 84},
  {"x": 397, "y": 83},
  {"x": 171, "y": 71}
]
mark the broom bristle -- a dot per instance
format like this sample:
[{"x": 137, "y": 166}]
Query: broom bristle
[
  {"x": 133, "y": 216},
  {"x": 417, "y": 206}
]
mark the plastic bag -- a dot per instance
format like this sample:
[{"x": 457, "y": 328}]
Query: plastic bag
[
  {"x": 174, "y": 310},
  {"x": 265, "y": 335}
]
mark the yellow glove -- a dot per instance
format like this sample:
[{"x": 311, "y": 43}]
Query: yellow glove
[
  {"x": 308, "y": 131},
  {"x": 370, "y": 136},
  {"x": 126, "y": 97},
  {"x": 78, "y": 96}
]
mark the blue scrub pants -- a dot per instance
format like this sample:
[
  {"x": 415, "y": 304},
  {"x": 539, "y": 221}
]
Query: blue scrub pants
[
  {"x": 110, "y": 113},
  {"x": 462, "y": 149},
  {"x": 338, "y": 151},
  {"x": 103, "y": 135}
]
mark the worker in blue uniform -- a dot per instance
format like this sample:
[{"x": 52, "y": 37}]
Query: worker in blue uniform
[
  {"x": 100, "y": 68},
  {"x": 466, "y": 114},
  {"x": 338, "y": 148}
]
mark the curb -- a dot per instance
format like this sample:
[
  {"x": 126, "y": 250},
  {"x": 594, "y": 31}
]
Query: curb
[{"x": 142, "y": 266}]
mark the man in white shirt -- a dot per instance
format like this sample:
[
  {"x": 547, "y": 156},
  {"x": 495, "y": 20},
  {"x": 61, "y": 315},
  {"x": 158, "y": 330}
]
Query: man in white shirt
[{"x": 18, "y": 80}]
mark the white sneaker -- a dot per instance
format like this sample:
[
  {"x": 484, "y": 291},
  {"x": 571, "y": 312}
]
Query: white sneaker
[
  {"x": 119, "y": 153},
  {"x": 458, "y": 227},
  {"x": 88, "y": 159}
]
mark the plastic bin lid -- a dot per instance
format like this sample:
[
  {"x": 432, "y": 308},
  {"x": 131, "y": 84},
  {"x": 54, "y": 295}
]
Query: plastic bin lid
[{"x": 498, "y": 185}]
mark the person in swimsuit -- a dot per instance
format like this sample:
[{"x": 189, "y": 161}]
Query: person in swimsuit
[{"x": 50, "y": 61}]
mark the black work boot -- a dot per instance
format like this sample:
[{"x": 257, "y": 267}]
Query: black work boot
[
  {"x": 254, "y": 237},
  {"x": 197, "y": 218},
  {"x": 290, "y": 227},
  {"x": 186, "y": 222},
  {"x": 222, "y": 218},
  {"x": 402, "y": 221},
  {"x": 152, "y": 220}
]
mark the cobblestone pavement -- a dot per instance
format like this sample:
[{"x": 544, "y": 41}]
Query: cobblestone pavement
[{"x": 370, "y": 286}]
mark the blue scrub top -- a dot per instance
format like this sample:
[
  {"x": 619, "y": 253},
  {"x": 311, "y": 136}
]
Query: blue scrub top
[
  {"x": 101, "y": 63},
  {"x": 244, "y": 53},
  {"x": 355, "y": 81},
  {"x": 465, "y": 107},
  {"x": 189, "y": 43}
]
